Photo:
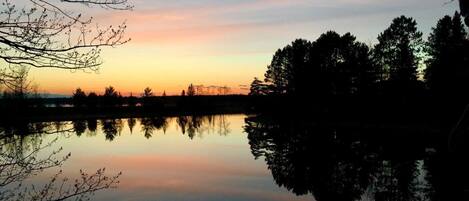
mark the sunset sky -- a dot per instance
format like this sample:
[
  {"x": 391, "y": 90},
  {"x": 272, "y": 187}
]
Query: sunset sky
[{"x": 223, "y": 42}]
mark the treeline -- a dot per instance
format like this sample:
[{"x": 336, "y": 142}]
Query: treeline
[
  {"x": 401, "y": 64},
  {"x": 112, "y": 98}
]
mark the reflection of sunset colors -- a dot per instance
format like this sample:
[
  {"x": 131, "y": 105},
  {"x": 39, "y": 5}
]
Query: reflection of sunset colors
[
  {"x": 211, "y": 42},
  {"x": 216, "y": 164}
]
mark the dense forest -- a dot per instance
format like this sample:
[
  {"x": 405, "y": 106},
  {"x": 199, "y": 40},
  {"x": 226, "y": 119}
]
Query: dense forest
[{"x": 400, "y": 64}]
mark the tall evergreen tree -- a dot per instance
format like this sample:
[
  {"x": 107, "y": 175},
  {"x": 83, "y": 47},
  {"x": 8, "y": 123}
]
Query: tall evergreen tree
[
  {"x": 79, "y": 97},
  {"x": 147, "y": 92},
  {"x": 333, "y": 64},
  {"x": 191, "y": 90},
  {"x": 285, "y": 73},
  {"x": 399, "y": 51},
  {"x": 258, "y": 88},
  {"x": 341, "y": 65},
  {"x": 448, "y": 66}
]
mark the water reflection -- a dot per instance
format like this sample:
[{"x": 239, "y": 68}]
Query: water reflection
[
  {"x": 24, "y": 153},
  {"x": 191, "y": 126},
  {"x": 111, "y": 128},
  {"x": 337, "y": 163},
  {"x": 161, "y": 160}
]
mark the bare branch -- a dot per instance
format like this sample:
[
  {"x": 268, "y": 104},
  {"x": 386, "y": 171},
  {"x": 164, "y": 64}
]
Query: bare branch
[{"x": 45, "y": 35}]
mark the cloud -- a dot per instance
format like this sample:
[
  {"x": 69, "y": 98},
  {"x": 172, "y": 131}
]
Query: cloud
[{"x": 206, "y": 21}]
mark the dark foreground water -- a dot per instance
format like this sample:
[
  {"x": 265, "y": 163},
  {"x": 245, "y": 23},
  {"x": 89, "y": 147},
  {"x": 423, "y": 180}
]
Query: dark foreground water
[{"x": 226, "y": 157}]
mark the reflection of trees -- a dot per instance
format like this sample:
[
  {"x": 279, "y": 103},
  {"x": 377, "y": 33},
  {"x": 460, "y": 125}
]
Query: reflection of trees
[
  {"x": 151, "y": 124},
  {"x": 223, "y": 125},
  {"x": 332, "y": 164},
  {"x": 307, "y": 160},
  {"x": 92, "y": 125},
  {"x": 79, "y": 126},
  {"x": 24, "y": 153},
  {"x": 192, "y": 125},
  {"x": 198, "y": 125},
  {"x": 182, "y": 123},
  {"x": 111, "y": 127},
  {"x": 131, "y": 123}
]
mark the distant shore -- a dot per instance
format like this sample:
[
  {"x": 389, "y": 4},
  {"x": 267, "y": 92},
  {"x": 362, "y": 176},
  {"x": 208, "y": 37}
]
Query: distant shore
[
  {"x": 371, "y": 111},
  {"x": 62, "y": 109}
]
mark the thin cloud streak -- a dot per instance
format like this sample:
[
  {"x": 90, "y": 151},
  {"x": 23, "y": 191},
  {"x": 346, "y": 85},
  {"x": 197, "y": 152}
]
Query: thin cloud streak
[{"x": 228, "y": 42}]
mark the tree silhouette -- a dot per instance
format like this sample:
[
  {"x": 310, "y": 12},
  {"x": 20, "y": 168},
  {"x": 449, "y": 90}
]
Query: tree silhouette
[
  {"x": 342, "y": 65},
  {"x": 46, "y": 34},
  {"x": 191, "y": 90},
  {"x": 464, "y": 6},
  {"x": 333, "y": 64},
  {"x": 111, "y": 96},
  {"x": 92, "y": 100},
  {"x": 398, "y": 53},
  {"x": 79, "y": 97},
  {"x": 447, "y": 70},
  {"x": 132, "y": 100},
  {"x": 258, "y": 88},
  {"x": 147, "y": 92},
  {"x": 110, "y": 92},
  {"x": 285, "y": 73}
]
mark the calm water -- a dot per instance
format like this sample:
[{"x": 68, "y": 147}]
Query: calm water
[
  {"x": 208, "y": 158},
  {"x": 235, "y": 157}
]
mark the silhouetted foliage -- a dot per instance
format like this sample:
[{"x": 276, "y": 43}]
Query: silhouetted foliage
[
  {"x": 339, "y": 66},
  {"x": 147, "y": 92},
  {"x": 110, "y": 92},
  {"x": 20, "y": 94},
  {"x": 48, "y": 34},
  {"x": 398, "y": 53},
  {"x": 464, "y": 6},
  {"x": 333, "y": 64},
  {"x": 111, "y": 96},
  {"x": 258, "y": 88},
  {"x": 151, "y": 102},
  {"x": 92, "y": 100},
  {"x": 132, "y": 101},
  {"x": 343, "y": 65},
  {"x": 191, "y": 90},
  {"x": 448, "y": 66},
  {"x": 79, "y": 98},
  {"x": 147, "y": 97}
]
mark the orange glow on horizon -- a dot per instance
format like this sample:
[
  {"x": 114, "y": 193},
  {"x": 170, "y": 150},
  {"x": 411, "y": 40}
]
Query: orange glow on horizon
[{"x": 219, "y": 43}]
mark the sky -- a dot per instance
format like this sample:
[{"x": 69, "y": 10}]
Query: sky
[{"x": 223, "y": 42}]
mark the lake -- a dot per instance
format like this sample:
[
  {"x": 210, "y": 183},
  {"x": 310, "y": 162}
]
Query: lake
[{"x": 230, "y": 157}]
